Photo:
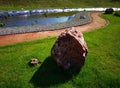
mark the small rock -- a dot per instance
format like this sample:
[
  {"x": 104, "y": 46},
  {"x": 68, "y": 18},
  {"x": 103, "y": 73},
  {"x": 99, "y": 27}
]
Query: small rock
[
  {"x": 34, "y": 62},
  {"x": 82, "y": 17}
]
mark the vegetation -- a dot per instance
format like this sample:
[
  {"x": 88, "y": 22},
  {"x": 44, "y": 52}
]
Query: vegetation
[
  {"x": 101, "y": 68},
  {"x": 58, "y": 14},
  {"x": 1, "y": 24},
  {"x": 109, "y": 11},
  {"x": 117, "y": 13},
  {"x": 37, "y": 4}
]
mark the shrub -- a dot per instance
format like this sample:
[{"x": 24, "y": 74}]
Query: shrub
[
  {"x": 45, "y": 14},
  {"x": 1, "y": 24},
  {"x": 117, "y": 13},
  {"x": 109, "y": 11}
]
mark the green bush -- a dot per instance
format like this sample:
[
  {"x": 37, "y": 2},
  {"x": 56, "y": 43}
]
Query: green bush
[
  {"x": 117, "y": 13},
  {"x": 1, "y": 24}
]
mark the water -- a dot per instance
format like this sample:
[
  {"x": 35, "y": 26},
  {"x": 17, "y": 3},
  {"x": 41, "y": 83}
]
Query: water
[
  {"x": 19, "y": 18},
  {"x": 33, "y": 20}
]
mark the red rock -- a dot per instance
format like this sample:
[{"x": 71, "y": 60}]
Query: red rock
[{"x": 70, "y": 49}]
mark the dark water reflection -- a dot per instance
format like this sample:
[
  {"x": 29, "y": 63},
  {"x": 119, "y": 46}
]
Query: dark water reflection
[{"x": 33, "y": 20}]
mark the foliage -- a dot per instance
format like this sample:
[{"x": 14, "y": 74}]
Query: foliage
[
  {"x": 37, "y": 4},
  {"x": 115, "y": 0},
  {"x": 1, "y": 24},
  {"x": 109, "y": 11},
  {"x": 117, "y": 13},
  {"x": 59, "y": 14},
  {"x": 101, "y": 68}
]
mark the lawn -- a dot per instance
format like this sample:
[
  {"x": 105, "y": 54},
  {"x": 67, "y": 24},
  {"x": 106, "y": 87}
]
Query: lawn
[
  {"x": 101, "y": 68},
  {"x": 37, "y": 4}
]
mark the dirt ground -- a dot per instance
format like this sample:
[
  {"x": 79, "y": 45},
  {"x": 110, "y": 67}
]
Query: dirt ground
[{"x": 97, "y": 22}]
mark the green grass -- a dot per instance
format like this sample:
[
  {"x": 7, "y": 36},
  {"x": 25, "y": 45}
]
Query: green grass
[
  {"x": 37, "y": 4},
  {"x": 101, "y": 68},
  {"x": 59, "y": 14}
]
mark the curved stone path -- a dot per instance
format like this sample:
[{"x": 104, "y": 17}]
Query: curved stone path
[{"x": 97, "y": 22}]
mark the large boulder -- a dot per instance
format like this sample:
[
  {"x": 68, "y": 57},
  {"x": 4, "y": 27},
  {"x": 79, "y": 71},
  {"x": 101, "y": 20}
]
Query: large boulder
[{"x": 70, "y": 49}]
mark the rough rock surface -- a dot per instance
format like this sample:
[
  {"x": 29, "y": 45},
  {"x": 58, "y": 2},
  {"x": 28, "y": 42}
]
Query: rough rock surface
[{"x": 70, "y": 49}]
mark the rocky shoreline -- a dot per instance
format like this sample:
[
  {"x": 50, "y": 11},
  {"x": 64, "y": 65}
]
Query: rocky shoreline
[{"x": 80, "y": 18}]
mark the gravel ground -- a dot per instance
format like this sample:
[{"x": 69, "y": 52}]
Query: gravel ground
[{"x": 76, "y": 21}]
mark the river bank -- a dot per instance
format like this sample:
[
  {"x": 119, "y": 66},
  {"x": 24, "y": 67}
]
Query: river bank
[
  {"x": 79, "y": 19},
  {"x": 96, "y": 23}
]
